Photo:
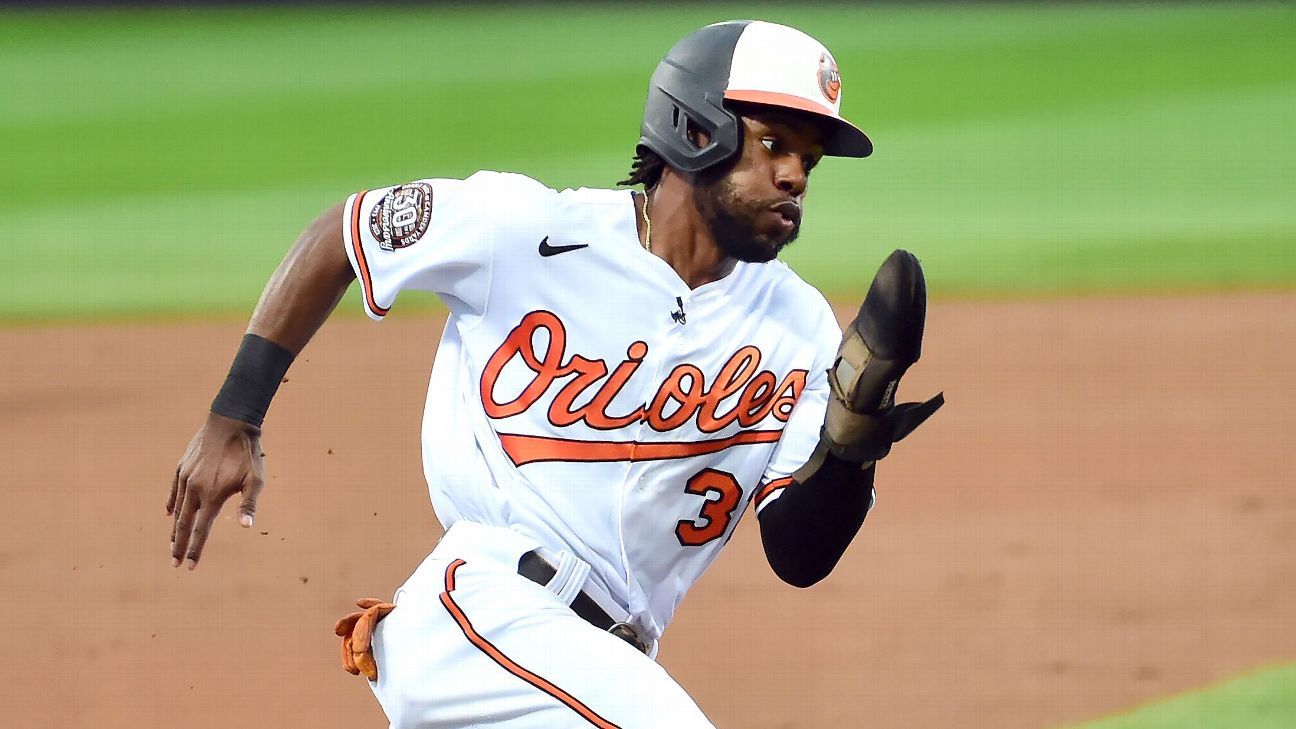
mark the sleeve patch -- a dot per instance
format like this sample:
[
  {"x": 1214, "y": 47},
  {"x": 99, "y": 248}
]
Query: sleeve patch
[{"x": 402, "y": 216}]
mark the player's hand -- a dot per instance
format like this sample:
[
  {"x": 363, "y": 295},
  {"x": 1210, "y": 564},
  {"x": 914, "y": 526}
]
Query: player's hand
[
  {"x": 878, "y": 347},
  {"x": 223, "y": 459}
]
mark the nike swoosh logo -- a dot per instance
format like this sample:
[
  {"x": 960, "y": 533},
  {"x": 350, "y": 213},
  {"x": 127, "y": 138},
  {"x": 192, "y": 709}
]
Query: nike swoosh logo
[{"x": 547, "y": 250}]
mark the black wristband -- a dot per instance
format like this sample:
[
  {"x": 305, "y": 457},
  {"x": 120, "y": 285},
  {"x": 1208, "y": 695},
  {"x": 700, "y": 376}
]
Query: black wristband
[{"x": 253, "y": 379}]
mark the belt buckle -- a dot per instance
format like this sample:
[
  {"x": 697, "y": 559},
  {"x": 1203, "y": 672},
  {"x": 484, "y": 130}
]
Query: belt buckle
[{"x": 626, "y": 632}]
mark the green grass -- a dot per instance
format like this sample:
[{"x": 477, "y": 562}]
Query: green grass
[
  {"x": 1262, "y": 700},
  {"x": 160, "y": 162}
]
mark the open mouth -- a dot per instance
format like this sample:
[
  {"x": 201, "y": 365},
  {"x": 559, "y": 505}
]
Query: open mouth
[{"x": 790, "y": 211}]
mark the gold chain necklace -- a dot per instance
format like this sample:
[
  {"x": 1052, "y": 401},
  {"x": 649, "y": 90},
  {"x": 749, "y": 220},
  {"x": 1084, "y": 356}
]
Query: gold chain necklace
[{"x": 647, "y": 225}]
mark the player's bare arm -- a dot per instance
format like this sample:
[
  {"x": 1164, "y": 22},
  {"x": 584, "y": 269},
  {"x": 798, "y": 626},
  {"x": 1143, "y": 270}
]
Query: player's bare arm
[
  {"x": 806, "y": 531},
  {"x": 224, "y": 456}
]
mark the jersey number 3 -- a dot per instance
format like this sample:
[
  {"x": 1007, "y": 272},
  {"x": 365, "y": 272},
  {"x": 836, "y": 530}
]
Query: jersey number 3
[{"x": 722, "y": 494}]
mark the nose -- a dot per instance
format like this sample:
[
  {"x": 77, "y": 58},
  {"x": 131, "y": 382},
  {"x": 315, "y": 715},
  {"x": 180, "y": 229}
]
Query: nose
[{"x": 790, "y": 176}]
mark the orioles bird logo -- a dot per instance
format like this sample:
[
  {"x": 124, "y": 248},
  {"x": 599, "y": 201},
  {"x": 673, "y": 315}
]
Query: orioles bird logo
[{"x": 829, "y": 79}]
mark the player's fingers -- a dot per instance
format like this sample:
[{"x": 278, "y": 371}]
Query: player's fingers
[
  {"x": 252, "y": 486},
  {"x": 175, "y": 486},
  {"x": 203, "y": 522},
  {"x": 182, "y": 490},
  {"x": 184, "y": 469},
  {"x": 184, "y": 525}
]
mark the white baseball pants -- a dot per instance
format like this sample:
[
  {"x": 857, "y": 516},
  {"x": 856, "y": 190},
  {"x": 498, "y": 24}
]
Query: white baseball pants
[{"x": 473, "y": 644}]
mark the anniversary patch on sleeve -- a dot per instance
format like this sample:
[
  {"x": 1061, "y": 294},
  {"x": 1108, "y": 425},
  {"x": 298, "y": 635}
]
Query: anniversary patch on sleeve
[{"x": 401, "y": 218}]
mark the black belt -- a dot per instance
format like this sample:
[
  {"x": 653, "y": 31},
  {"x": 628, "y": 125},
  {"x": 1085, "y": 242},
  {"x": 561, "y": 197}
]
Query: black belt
[{"x": 534, "y": 567}]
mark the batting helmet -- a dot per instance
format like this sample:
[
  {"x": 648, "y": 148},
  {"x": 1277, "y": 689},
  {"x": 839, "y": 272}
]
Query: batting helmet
[{"x": 748, "y": 61}]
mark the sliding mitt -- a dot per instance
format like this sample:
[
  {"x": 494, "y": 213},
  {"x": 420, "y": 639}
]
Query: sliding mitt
[{"x": 877, "y": 348}]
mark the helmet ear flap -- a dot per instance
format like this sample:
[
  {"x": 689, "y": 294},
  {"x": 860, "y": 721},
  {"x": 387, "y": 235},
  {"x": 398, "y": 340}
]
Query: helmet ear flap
[
  {"x": 688, "y": 90},
  {"x": 719, "y": 136},
  {"x": 717, "y": 148},
  {"x": 670, "y": 117}
]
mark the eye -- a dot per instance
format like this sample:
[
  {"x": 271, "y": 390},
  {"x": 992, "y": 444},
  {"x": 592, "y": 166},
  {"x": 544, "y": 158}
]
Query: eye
[
  {"x": 809, "y": 163},
  {"x": 771, "y": 143}
]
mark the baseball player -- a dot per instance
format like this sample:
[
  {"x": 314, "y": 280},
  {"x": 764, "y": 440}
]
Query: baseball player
[{"x": 622, "y": 374}]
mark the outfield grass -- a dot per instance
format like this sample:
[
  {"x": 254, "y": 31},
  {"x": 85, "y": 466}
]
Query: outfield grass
[
  {"x": 159, "y": 162},
  {"x": 1262, "y": 700}
]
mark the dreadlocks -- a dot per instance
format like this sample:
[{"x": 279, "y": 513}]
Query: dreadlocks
[{"x": 645, "y": 169}]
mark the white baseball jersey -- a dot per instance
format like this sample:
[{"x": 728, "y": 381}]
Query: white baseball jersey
[{"x": 583, "y": 395}]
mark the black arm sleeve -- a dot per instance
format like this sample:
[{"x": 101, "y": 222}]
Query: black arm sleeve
[{"x": 807, "y": 529}]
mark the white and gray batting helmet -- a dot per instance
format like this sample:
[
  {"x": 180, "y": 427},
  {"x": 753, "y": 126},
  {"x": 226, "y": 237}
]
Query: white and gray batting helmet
[{"x": 748, "y": 61}]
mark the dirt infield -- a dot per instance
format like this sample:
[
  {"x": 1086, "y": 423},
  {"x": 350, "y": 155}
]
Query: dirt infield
[{"x": 1103, "y": 513}]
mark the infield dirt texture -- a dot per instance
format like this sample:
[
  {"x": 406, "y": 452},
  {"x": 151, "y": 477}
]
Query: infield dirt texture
[{"x": 1103, "y": 514}]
